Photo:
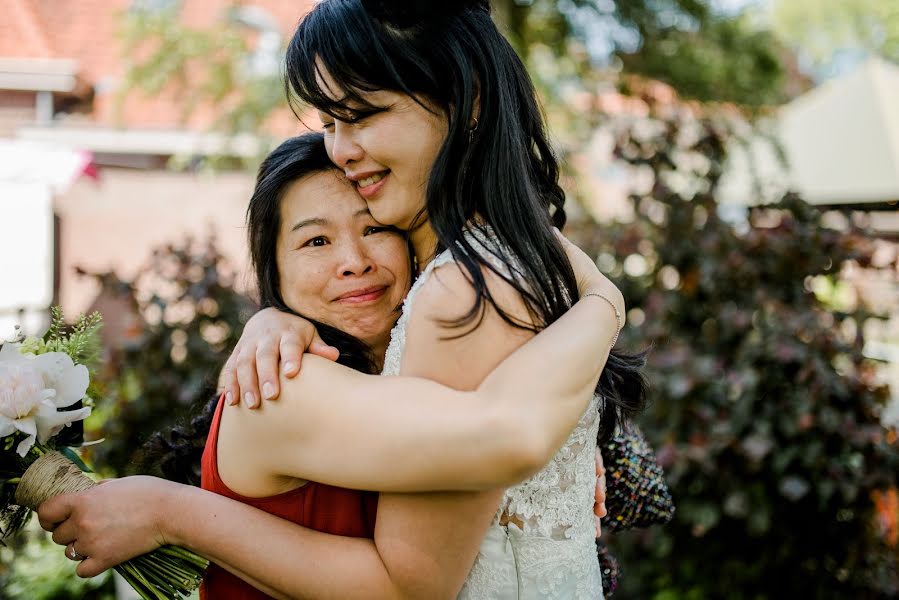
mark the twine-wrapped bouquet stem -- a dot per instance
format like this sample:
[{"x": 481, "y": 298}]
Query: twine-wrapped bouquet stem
[{"x": 166, "y": 573}]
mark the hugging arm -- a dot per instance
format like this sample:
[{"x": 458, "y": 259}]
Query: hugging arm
[
  {"x": 424, "y": 543},
  {"x": 280, "y": 558},
  {"x": 408, "y": 434}
]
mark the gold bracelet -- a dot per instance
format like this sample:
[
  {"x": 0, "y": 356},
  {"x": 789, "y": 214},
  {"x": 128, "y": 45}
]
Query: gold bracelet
[{"x": 617, "y": 313}]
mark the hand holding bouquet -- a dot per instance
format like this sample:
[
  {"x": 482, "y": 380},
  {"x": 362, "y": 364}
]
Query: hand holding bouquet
[{"x": 43, "y": 390}]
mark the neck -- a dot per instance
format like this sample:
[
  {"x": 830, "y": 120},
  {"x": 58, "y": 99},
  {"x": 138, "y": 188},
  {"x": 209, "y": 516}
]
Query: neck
[
  {"x": 424, "y": 241},
  {"x": 379, "y": 351},
  {"x": 424, "y": 244}
]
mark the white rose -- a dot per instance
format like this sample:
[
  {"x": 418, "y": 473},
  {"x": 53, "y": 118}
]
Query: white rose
[{"x": 33, "y": 388}]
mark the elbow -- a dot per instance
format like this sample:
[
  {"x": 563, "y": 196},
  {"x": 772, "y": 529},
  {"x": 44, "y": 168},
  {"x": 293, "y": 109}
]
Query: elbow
[
  {"x": 535, "y": 452},
  {"x": 528, "y": 448}
]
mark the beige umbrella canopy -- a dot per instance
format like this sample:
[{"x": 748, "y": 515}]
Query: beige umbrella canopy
[{"x": 840, "y": 142}]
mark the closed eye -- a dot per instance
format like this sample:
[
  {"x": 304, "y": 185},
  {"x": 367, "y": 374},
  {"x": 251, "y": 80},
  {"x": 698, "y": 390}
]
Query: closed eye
[
  {"x": 382, "y": 229},
  {"x": 359, "y": 115}
]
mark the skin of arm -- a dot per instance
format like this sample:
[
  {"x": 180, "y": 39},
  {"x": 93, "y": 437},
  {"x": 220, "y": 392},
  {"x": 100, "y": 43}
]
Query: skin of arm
[
  {"x": 386, "y": 437},
  {"x": 501, "y": 433}
]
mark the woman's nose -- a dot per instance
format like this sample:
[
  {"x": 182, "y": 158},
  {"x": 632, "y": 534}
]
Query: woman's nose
[
  {"x": 355, "y": 261},
  {"x": 345, "y": 149}
]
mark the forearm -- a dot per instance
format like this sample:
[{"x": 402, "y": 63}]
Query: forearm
[
  {"x": 563, "y": 364},
  {"x": 405, "y": 434},
  {"x": 411, "y": 434},
  {"x": 278, "y": 557}
]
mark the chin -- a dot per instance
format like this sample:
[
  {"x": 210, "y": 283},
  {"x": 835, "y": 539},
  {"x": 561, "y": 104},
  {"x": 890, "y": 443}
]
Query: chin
[
  {"x": 385, "y": 216},
  {"x": 393, "y": 215},
  {"x": 371, "y": 328}
]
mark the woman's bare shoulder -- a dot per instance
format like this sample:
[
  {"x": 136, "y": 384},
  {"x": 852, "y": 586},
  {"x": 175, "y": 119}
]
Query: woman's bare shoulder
[{"x": 461, "y": 356}]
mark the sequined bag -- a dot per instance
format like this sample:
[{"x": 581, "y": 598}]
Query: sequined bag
[
  {"x": 608, "y": 567},
  {"x": 636, "y": 493}
]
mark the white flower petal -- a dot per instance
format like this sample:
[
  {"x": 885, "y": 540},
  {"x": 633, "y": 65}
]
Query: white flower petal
[
  {"x": 71, "y": 386},
  {"x": 52, "y": 365},
  {"x": 26, "y": 425},
  {"x": 60, "y": 373},
  {"x": 51, "y": 421},
  {"x": 6, "y": 426},
  {"x": 25, "y": 445},
  {"x": 9, "y": 354}
]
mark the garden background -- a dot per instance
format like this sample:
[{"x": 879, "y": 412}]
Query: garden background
[{"x": 770, "y": 307}]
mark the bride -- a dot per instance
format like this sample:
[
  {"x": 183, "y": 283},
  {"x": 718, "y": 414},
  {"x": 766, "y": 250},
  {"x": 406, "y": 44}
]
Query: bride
[{"x": 434, "y": 118}]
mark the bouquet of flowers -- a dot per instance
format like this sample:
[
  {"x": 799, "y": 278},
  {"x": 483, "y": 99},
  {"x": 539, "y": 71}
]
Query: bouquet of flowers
[{"x": 43, "y": 391}]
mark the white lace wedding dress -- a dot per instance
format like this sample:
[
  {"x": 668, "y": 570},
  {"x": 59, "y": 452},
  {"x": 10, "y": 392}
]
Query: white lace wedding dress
[{"x": 540, "y": 544}]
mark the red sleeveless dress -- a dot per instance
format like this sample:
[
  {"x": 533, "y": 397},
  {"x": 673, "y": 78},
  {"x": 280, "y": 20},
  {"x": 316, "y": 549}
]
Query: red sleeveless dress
[{"x": 317, "y": 506}]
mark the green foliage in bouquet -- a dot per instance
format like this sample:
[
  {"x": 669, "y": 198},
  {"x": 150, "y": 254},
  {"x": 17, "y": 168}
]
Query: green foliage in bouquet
[
  {"x": 80, "y": 341},
  {"x": 766, "y": 413}
]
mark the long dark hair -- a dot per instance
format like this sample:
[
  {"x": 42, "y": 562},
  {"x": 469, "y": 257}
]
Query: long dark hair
[
  {"x": 176, "y": 453},
  {"x": 505, "y": 172}
]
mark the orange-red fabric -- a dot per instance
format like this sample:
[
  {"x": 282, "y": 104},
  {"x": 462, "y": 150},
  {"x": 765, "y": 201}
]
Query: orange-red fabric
[{"x": 315, "y": 505}]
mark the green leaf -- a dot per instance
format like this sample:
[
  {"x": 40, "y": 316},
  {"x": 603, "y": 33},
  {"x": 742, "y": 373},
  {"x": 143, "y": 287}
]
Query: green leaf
[{"x": 73, "y": 456}]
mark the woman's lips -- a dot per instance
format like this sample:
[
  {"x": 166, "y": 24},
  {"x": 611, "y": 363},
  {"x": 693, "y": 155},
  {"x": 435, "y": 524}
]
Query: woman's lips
[
  {"x": 371, "y": 190},
  {"x": 362, "y": 296}
]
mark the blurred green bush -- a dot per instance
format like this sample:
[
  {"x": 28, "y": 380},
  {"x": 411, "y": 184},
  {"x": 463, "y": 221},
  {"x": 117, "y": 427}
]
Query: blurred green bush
[
  {"x": 765, "y": 413},
  {"x": 188, "y": 315}
]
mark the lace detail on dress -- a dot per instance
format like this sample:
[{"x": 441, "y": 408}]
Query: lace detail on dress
[
  {"x": 541, "y": 542},
  {"x": 557, "y": 502}
]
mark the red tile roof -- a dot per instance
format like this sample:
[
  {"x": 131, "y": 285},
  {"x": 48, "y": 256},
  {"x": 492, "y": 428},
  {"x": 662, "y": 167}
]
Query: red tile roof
[
  {"x": 89, "y": 32},
  {"x": 21, "y": 32}
]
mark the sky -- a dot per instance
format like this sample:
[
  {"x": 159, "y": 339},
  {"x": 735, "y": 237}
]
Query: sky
[
  {"x": 732, "y": 6},
  {"x": 604, "y": 33}
]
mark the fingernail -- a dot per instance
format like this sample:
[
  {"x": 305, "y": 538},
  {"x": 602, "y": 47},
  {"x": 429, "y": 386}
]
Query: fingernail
[
  {"x": 290, "y": 367},
  {"x": 249, "y": 400},
  {"x": 229, "y": 399},
  {"x": 268, "y": 391}
]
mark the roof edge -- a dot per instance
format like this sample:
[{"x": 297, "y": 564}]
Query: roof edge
[
  {"x": 38, "y": 74},
  {"x": 144, "y": 141}
]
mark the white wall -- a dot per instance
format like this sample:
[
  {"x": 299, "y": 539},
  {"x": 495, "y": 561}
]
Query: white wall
[{"x": 26, "y": 256}]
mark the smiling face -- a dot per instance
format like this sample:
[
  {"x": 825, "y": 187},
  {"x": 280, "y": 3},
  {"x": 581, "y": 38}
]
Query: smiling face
[
  {"x": 387, "y": 149},
  {"x": 338, "y": 265}
]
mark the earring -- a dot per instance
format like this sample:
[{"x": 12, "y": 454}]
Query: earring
[{"x": 472, "y": 130}]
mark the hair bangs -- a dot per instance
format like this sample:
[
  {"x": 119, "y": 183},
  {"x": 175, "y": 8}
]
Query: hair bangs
[{"x": 359, "y": 54}]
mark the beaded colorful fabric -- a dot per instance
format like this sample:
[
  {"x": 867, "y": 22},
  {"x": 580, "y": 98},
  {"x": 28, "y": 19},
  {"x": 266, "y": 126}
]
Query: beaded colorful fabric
[{"x": 636, "y": 493}]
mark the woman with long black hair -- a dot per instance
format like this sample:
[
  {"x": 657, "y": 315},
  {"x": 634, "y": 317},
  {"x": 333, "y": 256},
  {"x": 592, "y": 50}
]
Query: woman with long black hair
[{"x": 429, "y": 111}]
